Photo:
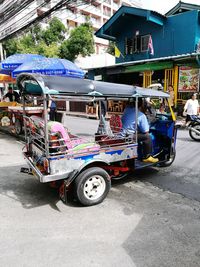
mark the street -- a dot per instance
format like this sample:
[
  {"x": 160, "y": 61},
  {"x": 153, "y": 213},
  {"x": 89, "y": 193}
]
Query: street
[{"x": 150, "y": 219}]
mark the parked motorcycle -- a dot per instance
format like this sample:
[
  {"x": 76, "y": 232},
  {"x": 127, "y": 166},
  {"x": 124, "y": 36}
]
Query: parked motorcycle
[{"x": 194, "y": 128}]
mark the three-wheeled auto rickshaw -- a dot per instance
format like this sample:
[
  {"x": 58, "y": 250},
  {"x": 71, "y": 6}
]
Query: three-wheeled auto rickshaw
[{"x": 86, "y": 167}]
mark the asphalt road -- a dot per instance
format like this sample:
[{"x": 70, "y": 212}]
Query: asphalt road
[{"x": 150, "y": 219}]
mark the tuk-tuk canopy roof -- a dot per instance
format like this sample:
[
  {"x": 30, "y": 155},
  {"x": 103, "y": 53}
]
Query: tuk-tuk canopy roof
[{"x": 37, "y": 84}]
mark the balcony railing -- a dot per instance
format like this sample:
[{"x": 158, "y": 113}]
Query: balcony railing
[
  {"x": 91, "y": 10},
  {"x": 107, "y": 13},
  {"x": 107, "y": 2}
]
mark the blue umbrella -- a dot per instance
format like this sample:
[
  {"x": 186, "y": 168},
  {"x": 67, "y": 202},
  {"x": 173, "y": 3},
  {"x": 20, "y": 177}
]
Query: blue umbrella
[
  {"x": 14, "y": 61},
  {"x": 6, "y": 72},
  {"x": 51, "y": 66}
]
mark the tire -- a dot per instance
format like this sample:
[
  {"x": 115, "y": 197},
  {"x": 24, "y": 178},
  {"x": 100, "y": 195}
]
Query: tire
[
  {"x": 18, "y": 127},
  {"x": 194, "y": 135},
  {"x": 121, "y": 176},
  {"x": 169, "y": 161},
  {"x": 92, "y": 186}
]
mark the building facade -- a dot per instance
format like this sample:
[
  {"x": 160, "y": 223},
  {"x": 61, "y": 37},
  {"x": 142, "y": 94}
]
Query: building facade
[
  {"x": 17, "y": 14},
  {"x": 97, "y": 12},
  {"x": 154, "y": 48}
]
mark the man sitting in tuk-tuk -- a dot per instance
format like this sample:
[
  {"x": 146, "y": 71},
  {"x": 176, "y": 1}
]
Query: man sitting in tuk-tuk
[{"x": 128, "y": 128}]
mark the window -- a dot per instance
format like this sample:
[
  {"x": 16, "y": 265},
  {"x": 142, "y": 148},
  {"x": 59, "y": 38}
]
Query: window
[
  {"x": 135, "y": 39},
  {"x": 137, "y": 44},
  {"x": 128, "y": 46},
  {"x": 132, "y": 45},
  {"x": 145, "y": 43}
]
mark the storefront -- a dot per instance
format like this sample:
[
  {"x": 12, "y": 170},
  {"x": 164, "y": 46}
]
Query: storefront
[{"x": 180, "y": 71}]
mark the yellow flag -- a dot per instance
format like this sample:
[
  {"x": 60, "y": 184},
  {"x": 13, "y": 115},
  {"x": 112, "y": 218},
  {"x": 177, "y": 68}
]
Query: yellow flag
[{"x": 117, "y": 52}]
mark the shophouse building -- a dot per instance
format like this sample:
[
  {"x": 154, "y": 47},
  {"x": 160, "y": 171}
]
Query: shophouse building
[{"x": 154, "y": 48}]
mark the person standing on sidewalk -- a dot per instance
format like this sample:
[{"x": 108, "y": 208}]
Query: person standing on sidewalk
[
  {"x": 52, "y": 110},
  {"x": 191, "y": 107}
]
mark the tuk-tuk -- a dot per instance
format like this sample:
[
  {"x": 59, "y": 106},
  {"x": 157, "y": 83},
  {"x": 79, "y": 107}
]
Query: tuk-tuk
[{"x": 86, "y": 167}]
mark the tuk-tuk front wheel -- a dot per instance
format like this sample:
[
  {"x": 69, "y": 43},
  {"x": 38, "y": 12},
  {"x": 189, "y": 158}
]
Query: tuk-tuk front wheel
[{"x": 92, "y": 186}]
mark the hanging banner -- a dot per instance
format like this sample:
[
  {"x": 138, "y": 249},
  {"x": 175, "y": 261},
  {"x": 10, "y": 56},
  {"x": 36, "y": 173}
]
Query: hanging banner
[{"x": 188, "y": 79}]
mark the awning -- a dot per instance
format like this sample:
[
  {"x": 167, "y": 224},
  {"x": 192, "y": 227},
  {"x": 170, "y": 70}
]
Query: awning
[
  {"x": 6, "y": 79},
  {"x": 149, "y": 66}
]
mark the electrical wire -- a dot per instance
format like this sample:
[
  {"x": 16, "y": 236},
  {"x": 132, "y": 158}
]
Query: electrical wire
[
  {"x": 25, "y": 21},
  {"x": 13, "y": 9}
]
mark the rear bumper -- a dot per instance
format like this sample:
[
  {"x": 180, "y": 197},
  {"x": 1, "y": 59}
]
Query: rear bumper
[{"x": 41, "y": 177}]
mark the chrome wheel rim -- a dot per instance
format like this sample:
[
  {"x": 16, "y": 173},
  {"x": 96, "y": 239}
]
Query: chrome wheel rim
[{"x": 94, "y": 187}]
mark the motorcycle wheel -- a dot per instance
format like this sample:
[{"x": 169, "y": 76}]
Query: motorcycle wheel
[{"x": 193, "y": 135}]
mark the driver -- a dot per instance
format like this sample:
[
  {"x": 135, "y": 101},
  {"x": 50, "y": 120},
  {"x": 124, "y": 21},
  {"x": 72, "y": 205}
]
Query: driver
[{"x": 128, "y": 128}]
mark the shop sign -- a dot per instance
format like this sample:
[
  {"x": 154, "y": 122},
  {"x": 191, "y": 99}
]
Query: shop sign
[
  {"x": 188, "y": 79},
  {"x": 98, "y": 78}
]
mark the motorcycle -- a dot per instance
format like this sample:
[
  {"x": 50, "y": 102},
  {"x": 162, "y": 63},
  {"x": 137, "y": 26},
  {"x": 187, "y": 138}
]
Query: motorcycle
[{"x": 194, "y": 127}]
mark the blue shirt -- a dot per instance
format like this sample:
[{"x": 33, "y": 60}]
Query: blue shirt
[
  {"x": 128, "y": 121},
  {"x": 53, "y": 105}
]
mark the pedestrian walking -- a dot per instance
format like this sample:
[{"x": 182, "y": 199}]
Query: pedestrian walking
[{"x": 191, "y": 108}]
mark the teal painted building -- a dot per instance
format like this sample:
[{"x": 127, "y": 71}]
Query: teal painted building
[
  {"x": 131, "y": 29},
  {"x": 153, "y": 47}
]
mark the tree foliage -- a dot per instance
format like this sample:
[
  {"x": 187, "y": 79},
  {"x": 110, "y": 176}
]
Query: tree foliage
[
  {"x": 55, "y": 32},
  {"x": 51, "y": 50},
  {"x": 80, "y": 42},
  {"x": 111, "y": 48},
  {"x": 51, "y": 41}
]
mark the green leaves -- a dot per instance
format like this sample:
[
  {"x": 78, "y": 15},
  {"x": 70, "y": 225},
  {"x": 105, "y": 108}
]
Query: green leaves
[
  {"x": 55, "y": 32},
  {"x": 51, "y": 41},
  {"x": 111, "y": 48},
  {"x": 80, "y": 42}
]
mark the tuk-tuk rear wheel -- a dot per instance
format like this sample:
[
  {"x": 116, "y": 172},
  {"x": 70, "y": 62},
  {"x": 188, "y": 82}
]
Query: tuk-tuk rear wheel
[
  {"x": 169, "y": 161},
  {"x": 92, "y": 186}
]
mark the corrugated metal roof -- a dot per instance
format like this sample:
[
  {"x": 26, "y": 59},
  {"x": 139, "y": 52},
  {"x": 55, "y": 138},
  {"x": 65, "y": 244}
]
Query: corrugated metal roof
[
  {"x": 173, "y": 58},
  {"x": 183, "y": 6},
  {"x": 148, "y": 14}
]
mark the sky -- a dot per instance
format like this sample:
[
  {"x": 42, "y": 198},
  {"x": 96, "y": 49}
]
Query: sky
[{"x": 162, "y": 6}]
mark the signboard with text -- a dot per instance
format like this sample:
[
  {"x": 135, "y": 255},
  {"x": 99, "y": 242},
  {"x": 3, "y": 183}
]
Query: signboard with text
[{"x": 188, "y": 79}]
